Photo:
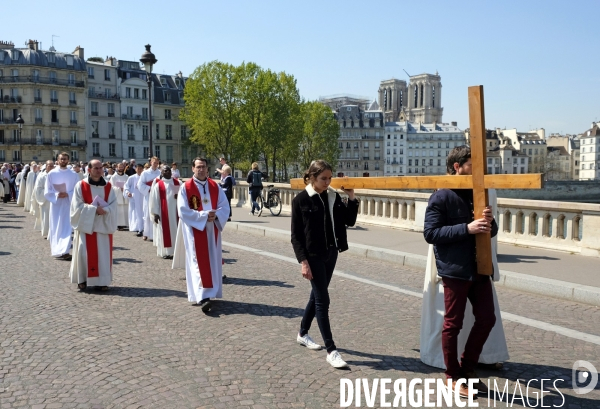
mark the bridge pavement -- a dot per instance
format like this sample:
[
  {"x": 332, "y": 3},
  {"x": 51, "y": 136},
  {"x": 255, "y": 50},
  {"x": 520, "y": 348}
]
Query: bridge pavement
[{"x": 141, "y": 345}]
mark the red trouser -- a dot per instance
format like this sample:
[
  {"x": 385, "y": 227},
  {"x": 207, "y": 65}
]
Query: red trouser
[{"x": 456, "y": 293}]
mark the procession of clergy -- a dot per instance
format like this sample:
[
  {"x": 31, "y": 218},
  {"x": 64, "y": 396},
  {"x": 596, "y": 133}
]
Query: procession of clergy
[
  {"x": 185, "y": 221},
  {"x": 81, "y": 210}
]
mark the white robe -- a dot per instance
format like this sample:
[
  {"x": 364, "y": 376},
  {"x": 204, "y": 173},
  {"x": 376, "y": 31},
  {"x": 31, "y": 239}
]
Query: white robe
[
  {"x": 147, "y": 176},
  {"x": 31, "y": 178},
  {"x": 60, "y": 223},
  {"x": 21, "y": 185},
  {"x": 43, "y": 203},
  {"x": 35, "y": 207},
  {"x": 185, "y": 249},
  {"x": 136, "y": 204},
  {"x": 85, "y": 221},
  {"x": 155, "y": 209},
  {"x": 433, "y": 310},
  {"x": 122, "y": 200}
]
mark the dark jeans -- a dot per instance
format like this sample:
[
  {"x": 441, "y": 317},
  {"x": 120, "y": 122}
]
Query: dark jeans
[
  {"x": 456, "y": 293},
  {"x": 318, "y": 303},
  {"x": 254, "y": 193}
]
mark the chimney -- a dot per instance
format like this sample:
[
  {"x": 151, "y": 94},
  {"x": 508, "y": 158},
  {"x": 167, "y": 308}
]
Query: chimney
[
  {"x": 454, "y": 123},
  {"x": 78, "y": 52},
  {"x": 33, "y": 45},
  {"x": 6, "y": 45}
]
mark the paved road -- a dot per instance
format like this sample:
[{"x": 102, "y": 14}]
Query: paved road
[
  {"x": 537, "y": 262},
  {"x": 141, "y": 345}
]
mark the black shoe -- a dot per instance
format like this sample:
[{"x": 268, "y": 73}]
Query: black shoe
[
  {"x": 205, "y": 305},
  {"x": 140, "y": 234}
]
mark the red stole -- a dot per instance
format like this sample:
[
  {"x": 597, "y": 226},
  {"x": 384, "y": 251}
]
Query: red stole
[
  {"x": 200, "y": 236},
  {"x": 91, "y": 240},
  {"x": 164, "y": 211}
]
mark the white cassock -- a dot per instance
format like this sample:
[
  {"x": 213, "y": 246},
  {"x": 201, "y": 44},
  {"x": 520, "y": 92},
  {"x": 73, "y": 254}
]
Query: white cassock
[
  {"x": 31, "y": 178},
  {"x": 122, "y": 200},
  {"x": 144, "y": 183},
  {"x": 432, "y": 315},
  {"x": 60, "y": 222},
  {"x": 164, "y": 239},
  {"x": 43, "y": 203},
  {"x": 92, "y": 262},
  {"x": 22, "y": 183},
  {"x": 136, "y": 204},
  {"x": 34, "y": 206},
  {"x": 193, "y": 225}
]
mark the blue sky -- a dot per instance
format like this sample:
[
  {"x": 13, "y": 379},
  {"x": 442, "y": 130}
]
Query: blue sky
[{"x": 537, "y": 60}]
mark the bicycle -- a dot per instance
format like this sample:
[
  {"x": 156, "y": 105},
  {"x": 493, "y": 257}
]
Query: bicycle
[{"x": 273, "y": 202}]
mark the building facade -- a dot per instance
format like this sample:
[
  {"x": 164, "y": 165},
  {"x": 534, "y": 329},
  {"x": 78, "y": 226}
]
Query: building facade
[
  {"x": 590, "y": 153},
  {"x": 419, "y": 101},
  {"x": 48, "y": 89},
  {"x": 103, "y": 125}
]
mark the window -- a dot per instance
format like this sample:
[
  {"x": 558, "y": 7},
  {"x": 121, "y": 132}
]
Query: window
[
  {"x": 130, "y": 134},
  {"x": 136, "y": 93},
  {"x": 144, "y": 133},
  {"x": 54, "y": 116},
  {"x": 106, "y": 75},
  {"x": 90, "y": 71},
  {"x": 54, "y": 96},
  {"x": 157, "y": 133},
  {"x": 146, "y": 152},
  {"x": 73, "y": 137},
  {"x": 37, "y": 95},
  {"x": 168, "y": 116},
  {"x": 52, "y": 77},
  {"x": 144, "y": 94},
  {"x": 131, "y": 152},
  {"x": 71, "y": 79},
  {"x": 157, "y": 151},
  {"x": 38, "y": 116},
  {"x": 95, "y": 148},
  {"x": 95, "y": 130},
  {"x": 168, "y": 132},
  {"x": 169, "y": 154},
  {"x": 184, "y": 155},
  {"x": 74, "y": 155},
  {"x": 73, "y": 117},
  {"x": 130, "y": 112},
  {"x": 111, "y": 110},
  {"x": 94, "y": 108},
  {"x": 167, "y": 96},
  {"x": 111, "y": 130},
  {"x": 127, "y": 92},
  {"x": 145, "y": 113},
  {"x": 112, "y": 149},
  {"x": 55, "y": 136}
]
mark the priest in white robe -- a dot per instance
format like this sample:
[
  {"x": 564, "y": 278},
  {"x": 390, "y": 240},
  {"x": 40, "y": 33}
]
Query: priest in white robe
[
  {"x": 495, "y": 350},
  {"x": 144, "y": 184},
  {"x": 21, "y": 181},
  {"x": 60, "y": 184},
  {"x": 43, "y": 203},
  {"x": 29, "y": 185},
  {"x": 163, "y": 210},
  {"x": 203, "y": 213},
  {"x": 94, "y": 220},
  {"x": 34, "y": 206},
  {"x": 136, "y": 202},
  {"x": 118, "y": 181}
]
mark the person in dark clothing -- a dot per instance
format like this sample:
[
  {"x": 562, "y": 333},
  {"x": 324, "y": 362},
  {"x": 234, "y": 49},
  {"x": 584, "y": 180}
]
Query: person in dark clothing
[
  {"x": 450, "y": 226},
  {"x": 255, "y": 181},
  {"x": 227, "y": 185},
  {"x": 319, "y": 220}
]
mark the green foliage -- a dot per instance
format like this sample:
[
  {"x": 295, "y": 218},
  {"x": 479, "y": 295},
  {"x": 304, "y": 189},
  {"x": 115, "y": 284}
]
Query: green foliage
[{"x": 251, "y": 114}]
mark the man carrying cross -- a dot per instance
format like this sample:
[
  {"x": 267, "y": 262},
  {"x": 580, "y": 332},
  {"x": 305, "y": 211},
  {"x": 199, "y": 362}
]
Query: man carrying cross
[
  {"x": 163, "y": 209},
  {"x": 450, "y": 227},
  {"x": 94, "y": 219}
]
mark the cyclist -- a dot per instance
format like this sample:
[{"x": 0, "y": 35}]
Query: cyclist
[{"x": 256, "y": 186}]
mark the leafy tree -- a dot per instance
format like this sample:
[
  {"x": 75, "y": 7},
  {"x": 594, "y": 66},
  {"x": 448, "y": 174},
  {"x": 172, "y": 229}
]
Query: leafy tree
[{"x": 320, "y": 133}]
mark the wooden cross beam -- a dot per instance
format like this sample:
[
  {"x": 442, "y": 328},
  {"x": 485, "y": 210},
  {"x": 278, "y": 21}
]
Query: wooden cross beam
[{"x": 478, "y": 181}]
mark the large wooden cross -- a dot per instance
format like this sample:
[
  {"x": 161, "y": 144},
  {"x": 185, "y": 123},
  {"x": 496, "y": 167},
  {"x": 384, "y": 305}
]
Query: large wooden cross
[{"x": 478, "y": 181}]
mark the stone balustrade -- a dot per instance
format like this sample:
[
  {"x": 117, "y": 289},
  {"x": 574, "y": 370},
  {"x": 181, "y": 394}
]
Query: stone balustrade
[{"x": 564, "y": 226}]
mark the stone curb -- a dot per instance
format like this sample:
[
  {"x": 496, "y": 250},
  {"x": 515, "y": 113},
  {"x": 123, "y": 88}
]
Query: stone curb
[{"x": 509, "y": 279}]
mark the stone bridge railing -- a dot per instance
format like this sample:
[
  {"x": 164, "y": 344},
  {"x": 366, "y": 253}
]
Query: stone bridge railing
[{"x": 564, "y": 226}]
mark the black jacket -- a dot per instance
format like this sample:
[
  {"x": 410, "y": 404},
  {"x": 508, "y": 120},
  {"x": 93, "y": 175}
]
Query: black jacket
[
  {"x": 308, "y": 222},
  {"x": 227, "y": 186},
  {"x": 448, "y": 213},
  {"x": 250, "y": 177}
]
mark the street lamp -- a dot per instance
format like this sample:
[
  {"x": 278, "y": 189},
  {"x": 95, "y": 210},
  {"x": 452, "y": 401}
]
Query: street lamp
[
  {"x": 149, "y": 60},
  {"x": 20, "y": 122}
]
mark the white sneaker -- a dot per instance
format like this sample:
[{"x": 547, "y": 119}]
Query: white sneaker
[
  {"x": 335, "y": 359},
  {"x": 308, "y": 342}
]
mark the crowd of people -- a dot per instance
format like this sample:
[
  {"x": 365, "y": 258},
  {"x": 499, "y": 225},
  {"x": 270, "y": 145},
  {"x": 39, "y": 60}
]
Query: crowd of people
[{"x": 81, "y": 206}]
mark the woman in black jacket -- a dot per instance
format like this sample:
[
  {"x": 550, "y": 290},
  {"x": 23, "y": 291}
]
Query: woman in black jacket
[
  {"x": 227, "y": 185},
  {"x": 319, "y": 220}
]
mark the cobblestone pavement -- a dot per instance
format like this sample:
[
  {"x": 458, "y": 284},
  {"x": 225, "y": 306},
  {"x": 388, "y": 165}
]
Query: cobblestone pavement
[{"x": 142, "y": 345}]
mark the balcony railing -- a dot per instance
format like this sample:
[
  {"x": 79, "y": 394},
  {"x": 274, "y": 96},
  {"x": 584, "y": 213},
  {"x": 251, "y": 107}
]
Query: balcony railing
[
  {"x": 54, "y": 100},
  {"x": 72, "y": 102},
  {"x": 7, "y": 121},
  {"x": 112, "y": 136},
  {"x": 111, "y": 114},
  {"x": 136, "y": 117},
  {"x": 37, "y": 99},
  {"x": 38, "y": 120},
  {"x": 95, "y": 135},
  {"x": 50, "y": 141},
  {"x": 130, "y": 137},
  {"x": 91, "y": 76},
  {"x": 145, "y": 137},
  {"x": 12, "y": 100},
  {"x": 73, "y": 121},
  {"x": 94, "y": 113},
  {"x": 92, "y": 94},
  {"x": 40, "y": 80},
  {"x": 54, "y": 120}
]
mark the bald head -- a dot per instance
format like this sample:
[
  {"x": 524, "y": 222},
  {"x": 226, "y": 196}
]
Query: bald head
[{"x": 95, "y": 170}]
